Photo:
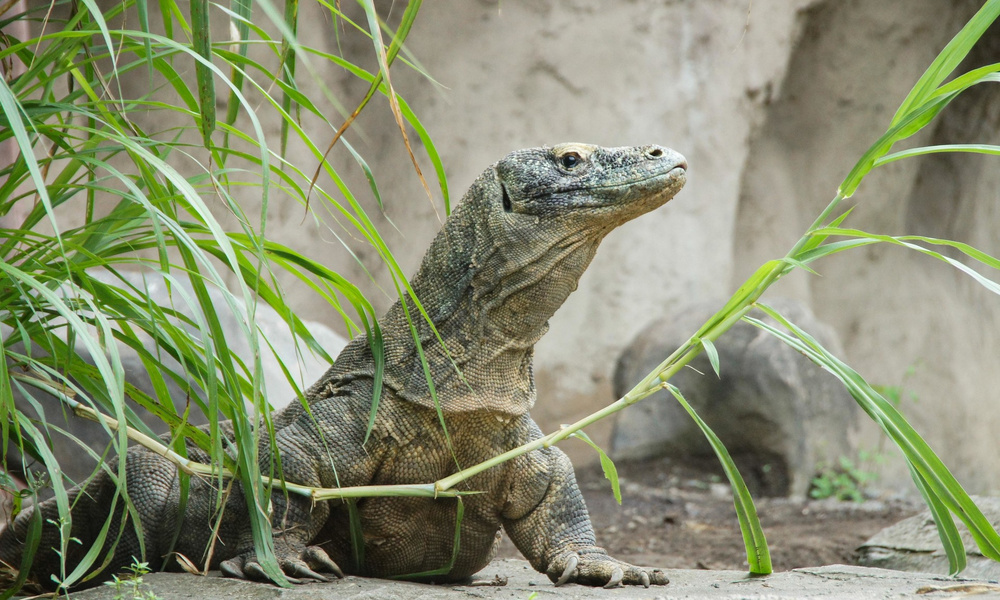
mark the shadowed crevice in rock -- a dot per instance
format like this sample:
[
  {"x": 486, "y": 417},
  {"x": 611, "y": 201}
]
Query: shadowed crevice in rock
[{"x": 779, "y": 415}]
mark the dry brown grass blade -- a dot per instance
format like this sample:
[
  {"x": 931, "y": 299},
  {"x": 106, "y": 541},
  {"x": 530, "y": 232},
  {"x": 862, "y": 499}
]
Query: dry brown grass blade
[
  {"x": 336, "y": 138},
  {"x": 397, "y": 113},
  {"x": 6, "y": 6}
]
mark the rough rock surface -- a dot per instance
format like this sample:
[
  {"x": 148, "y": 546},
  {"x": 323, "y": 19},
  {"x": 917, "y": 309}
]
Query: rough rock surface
[
  {"x": 913, "y": 545},
  {"x": 779, "y": 414},
  {"x": 771, "y": 101},
  {"x": 834, "y": 581}
]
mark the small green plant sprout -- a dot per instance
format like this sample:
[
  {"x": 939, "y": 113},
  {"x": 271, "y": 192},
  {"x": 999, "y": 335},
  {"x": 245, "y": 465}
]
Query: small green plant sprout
[
  {"x": 129, "y": 585},
  {"x": 846, "y": 481}
]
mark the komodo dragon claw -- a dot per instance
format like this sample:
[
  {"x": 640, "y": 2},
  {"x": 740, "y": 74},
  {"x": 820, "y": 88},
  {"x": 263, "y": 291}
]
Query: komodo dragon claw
[
  {"x": 567, "y": 574},
  {"x": 616, "y": 579}
]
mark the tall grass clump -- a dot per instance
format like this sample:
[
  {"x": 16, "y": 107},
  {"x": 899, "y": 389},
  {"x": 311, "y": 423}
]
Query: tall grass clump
[{"x": 93, "y": 194}]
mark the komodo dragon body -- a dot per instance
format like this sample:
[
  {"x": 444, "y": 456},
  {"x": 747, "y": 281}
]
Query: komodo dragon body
[{"x": 500, "y": 267}]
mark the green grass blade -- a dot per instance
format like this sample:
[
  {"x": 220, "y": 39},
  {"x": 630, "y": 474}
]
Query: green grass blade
[
  {"x": 911, "y": 123},
  {"x": 13, "y": 110},
  {"x": 947, "y": 531},
  {"x": 938, "y": 479},
  {"x": 384, "y": 61},
  {"x": 758, "y": 555},
  {"x": 7, "y": 406},
  {"x": 713, "y": 355},
  {"x": 864, "y": 238},
  {"x": 288, "y": 65},
  {"x": 202, "y": 44},
  {"x": 948, "y": 59},
  {"x": 915, "y": 118},
  {"x": 142, "y": 9},
  {"x": 356, "y": 534},
  {"x": 975, "y": 148},
  {"x": 607, "y": 465},
  {"x": 242, "y": 11}
]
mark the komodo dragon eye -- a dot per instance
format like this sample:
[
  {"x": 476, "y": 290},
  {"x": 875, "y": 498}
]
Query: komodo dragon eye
[{"x": 570, "y": 160}]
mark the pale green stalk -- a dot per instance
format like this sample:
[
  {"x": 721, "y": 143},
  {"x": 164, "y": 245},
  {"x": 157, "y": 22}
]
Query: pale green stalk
[{"x": 200, "y": 469}]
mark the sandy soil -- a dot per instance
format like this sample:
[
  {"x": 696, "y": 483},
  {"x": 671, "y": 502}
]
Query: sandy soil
[{"x": 682, "y": 516}]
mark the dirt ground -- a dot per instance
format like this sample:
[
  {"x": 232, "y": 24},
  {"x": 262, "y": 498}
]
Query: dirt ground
[{"x": 682, "y": 516}]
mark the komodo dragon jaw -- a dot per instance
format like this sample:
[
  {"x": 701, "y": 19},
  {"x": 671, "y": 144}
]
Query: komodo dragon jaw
[{"x": 504, "y": 261}]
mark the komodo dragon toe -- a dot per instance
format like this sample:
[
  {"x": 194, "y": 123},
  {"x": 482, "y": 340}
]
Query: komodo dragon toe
[
  {"x": 298, "y": 567},
  {"x": 596, "y": 568}
]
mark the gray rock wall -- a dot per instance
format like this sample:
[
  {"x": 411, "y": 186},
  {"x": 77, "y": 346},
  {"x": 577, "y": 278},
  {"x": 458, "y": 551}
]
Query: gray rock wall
[
  {"x": 771, "y": 101},
  {"x": 771, "y": 110},
  {"x": 892, "y": 308}
]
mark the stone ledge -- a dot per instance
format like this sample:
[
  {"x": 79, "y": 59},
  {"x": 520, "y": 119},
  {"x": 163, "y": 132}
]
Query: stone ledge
[{"x": 833, "y": 581}]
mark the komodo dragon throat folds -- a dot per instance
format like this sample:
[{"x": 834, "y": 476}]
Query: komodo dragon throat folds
[{"x": 502, "y": 264}]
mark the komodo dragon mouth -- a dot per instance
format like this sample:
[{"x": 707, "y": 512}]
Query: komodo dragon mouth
[
  {"x": 674, "y": 178},
  {"x": 674, "y": 174}
]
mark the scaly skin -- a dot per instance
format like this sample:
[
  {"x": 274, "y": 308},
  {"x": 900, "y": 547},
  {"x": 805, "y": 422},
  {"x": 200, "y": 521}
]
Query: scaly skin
[{"x": 500, "y": 267}]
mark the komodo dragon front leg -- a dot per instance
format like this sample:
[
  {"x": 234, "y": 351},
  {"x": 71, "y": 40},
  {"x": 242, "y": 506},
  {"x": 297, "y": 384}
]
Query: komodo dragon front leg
[
  {"x": 547, "y": 520},
  {"x": 314, "y": 452}
]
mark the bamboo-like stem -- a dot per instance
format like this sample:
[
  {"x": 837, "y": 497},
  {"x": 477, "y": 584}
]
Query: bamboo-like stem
[
  {"x": 651, "y": 384},
  {"x": 200, "y": 469},
  {"x": 655, "y": 381},
  {"x": 684, "y": 357}
]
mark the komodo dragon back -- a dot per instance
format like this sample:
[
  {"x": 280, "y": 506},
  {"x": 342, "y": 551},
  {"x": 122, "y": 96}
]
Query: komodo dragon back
[{"x": 502, "y": 264}]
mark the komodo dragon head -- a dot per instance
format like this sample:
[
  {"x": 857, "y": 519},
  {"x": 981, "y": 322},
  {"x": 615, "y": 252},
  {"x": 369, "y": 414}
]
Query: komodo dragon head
[
  {"x": 504, "y": 261},
  {"x": 582, "y": 190}
]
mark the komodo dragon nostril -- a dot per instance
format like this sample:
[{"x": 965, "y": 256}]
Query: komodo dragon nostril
[{"x": 654, "y": 152}]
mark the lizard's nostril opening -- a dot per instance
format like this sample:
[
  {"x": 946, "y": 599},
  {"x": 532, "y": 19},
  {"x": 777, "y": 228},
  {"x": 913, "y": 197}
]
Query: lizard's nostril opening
[{"x": 654, "y": 152}]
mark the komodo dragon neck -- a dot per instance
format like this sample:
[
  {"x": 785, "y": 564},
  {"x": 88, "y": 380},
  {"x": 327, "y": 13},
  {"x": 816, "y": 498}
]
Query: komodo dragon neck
[{"x": 501, "y": 266}]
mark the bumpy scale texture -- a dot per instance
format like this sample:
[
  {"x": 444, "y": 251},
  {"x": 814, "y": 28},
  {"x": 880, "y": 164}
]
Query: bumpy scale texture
[{"x": 500, "y": 267}]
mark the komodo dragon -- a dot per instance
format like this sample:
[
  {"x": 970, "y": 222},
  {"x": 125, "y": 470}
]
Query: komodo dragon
[{"x": 500, "y": 267}]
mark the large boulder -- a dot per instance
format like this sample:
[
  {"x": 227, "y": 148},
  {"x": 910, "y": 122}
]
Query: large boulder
[
  {"x": 913, "y": 545},
  {"x": 304, "y": 365},
  {"x": 779, "y": 415}
]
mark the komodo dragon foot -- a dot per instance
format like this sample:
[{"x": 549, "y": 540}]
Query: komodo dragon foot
[
  {"x": 597, "y": 568},
  {"x": 299, "y": 566}
]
